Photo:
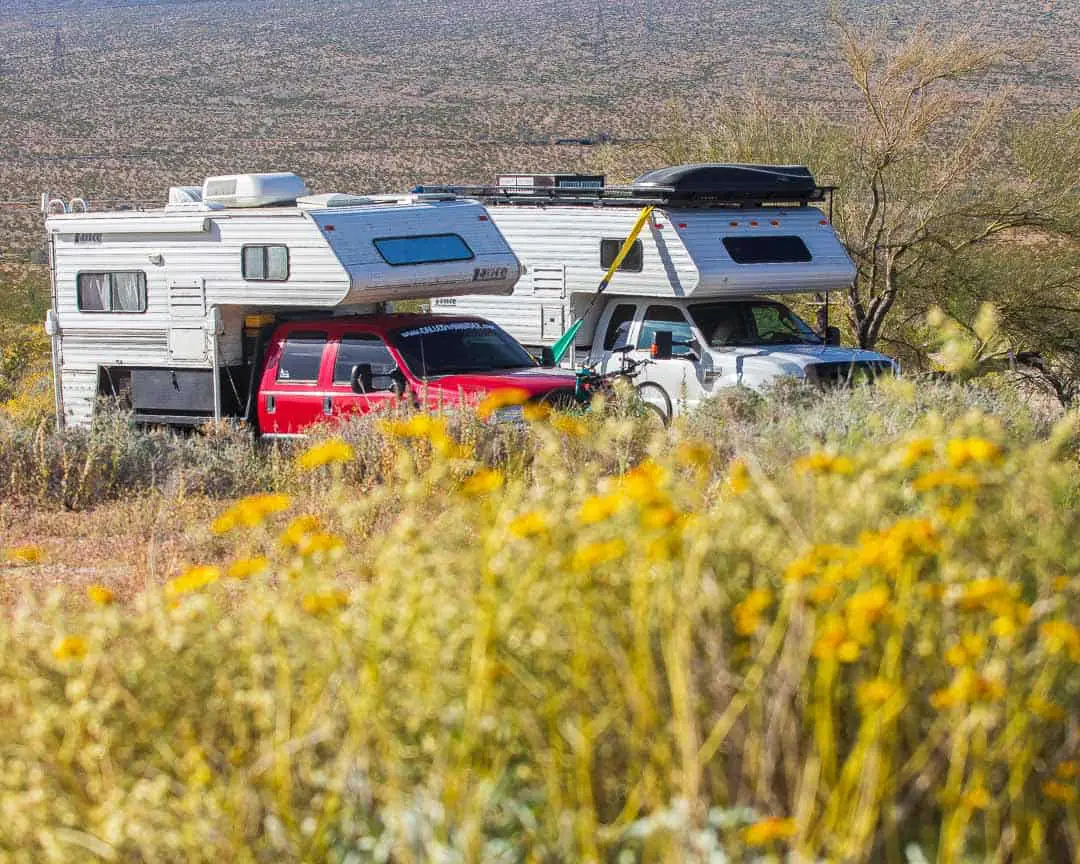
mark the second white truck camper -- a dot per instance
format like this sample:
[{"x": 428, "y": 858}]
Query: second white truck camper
[{"x": 722, "y": 241}]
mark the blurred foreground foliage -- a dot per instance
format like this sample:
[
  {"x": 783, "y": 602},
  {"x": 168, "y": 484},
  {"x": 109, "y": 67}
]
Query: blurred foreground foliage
[{"x": 585, "y": 640}]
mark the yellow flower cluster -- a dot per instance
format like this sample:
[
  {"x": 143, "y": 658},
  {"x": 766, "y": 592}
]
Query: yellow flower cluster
[
  {"x": 425, "y": 427},
  {"x": 70, "y": 648},
  {"x": 593, "y": 555},
  {"x": 245, "y": 568},
  {"x": 1061, "y": 637},
  {"x": 968, "y": 451},
  {"x": 531, "y": 524},
  {"x": 766, "y": 831},
  {"x": 482, "y": 482},
  {"x": 304, "y": 535},
  {"x": 824, "y": 463},
  {"x": 325, "y": 602},
  {"x": 100, "y": 595},
  {"x": 748, "y": 613},
  {"x": 500, "y": 399},
  {"x": 250, "y": 512},
  {"x": 193, "y": 579},
  {"x": 333, "y": 451},
  {"x": 26, "y": 555},
  {"x": 967, "y": 686}
]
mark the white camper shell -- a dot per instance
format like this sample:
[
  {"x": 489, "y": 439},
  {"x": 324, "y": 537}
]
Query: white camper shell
[
  {"x": 717, "y": 234},
  {"x": 168, "y": 291}
]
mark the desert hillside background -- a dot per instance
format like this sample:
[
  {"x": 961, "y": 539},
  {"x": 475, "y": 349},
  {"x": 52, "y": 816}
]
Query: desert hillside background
[{"x": 377, "y": 95}]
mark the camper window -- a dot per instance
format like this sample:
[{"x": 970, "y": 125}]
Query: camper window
[
  {"x": 301, "y": 357},
  {"x": 618, "y": 330},
  {"x": 265, "y": 263},
  {"x": 121, "y": 291},
  {"x": 423, "y": 249},
  {"x": 356, "y": 349},
  {"x": 668, "y": 318},
  {"x": 766, "y": 250},
  {"x": 632, "y": 263}
]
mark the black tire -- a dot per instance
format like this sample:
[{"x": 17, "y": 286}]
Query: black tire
[{"x": 655, "y": 399}]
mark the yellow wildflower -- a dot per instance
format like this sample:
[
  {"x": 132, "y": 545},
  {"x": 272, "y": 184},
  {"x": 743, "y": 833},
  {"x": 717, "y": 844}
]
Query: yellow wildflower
[
  {"x": 1069, "y": 770},
  {"x": 766, "y": 831},
  {"x": 500, "y": 399},
  {"x": 848, "y": 651},
  {"x": 70, "y": 648},
  {"x": 978, "y": 451},
  {"x": 1059, "y": 791},
  {"x": 325, "y": 602},
  {"x": 868, "y": 606},
  {"x": 833, "y": 634},
  {"x": 26, "y": 555},
  {"x": 250, "y": 511},
  {"x": 101, "y": 595},
  {"x": 193, "y": 579},
  {"x": 644, "y": 482},
  {"x": 738, "y": 480},
  {"x": 319, "y": 543},
  {"x": 977, "y": 798},
  {"x": 298, "y": 529},
  {"x": 826, "y": 557},
  {"x": 874, "y": 693},
  {"x": 988, "y": 593},
  {"x": 916, "y": 450},
  {"x": 594, "y": 555},
  {"x": 747, "y": 614},
  {"x": 1061, "y": 637},
  {"x": 821, "y": 594},
  {"x": 483, "y": 482},
  {"x": 536, "y": 412},
  {"x": 967, "y": 687},
  {"x": 824, "y": 463},
  {"x": 245, "y": 568},
  {"x": 694, "y": 454},
  {"x": 571, "y": 426},
  {"x": 333, "y": 451},
  {"x": 944, "y": 478},
  {"x": 1046, "y": 710},
  {"x": 658, "y": 517},
  {"x": 529, "y": 524},
  {"x": 598, "y": 508}
]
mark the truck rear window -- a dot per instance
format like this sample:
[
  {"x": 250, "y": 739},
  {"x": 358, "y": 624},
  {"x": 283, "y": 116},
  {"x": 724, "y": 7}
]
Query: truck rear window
[
  {"x": 766, "y": 250},
  {"x": 423, "y": 249},
  {"x": 301, "y": 356}
]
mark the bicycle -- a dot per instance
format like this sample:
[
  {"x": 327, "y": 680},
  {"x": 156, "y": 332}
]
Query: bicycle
[{"x": 652, "y": 396}]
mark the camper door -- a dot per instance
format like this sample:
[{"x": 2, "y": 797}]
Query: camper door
[{"x": 187, "y": 321}]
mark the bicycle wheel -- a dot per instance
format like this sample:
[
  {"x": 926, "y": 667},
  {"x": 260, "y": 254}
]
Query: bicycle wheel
[{"x": 655, "y": 399}]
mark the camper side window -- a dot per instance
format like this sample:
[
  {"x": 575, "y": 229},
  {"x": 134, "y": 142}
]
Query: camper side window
[
  {"x": 121, "y": 291},
  {"x": 632, "y": 263},
  {"x": 301, "y": 356},
  {"x": 265, "y": 263}
]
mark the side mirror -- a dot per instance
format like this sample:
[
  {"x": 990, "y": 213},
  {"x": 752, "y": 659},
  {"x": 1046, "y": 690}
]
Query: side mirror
[
  {"x": 398, "y": 384},
  {"x": 547, "y": 357},
  {"x": 832, "y": 335},
  {"x": 362, "y": 379},
  {"x": 661, "y": 345}
]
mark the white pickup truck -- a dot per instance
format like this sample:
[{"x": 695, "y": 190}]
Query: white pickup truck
[{"x": 719, "y": 240}]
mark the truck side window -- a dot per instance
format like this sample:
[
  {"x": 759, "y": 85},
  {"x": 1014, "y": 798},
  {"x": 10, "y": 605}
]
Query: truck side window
[
  {"x": 357, "y": 348},
  {"x": 632, "y": 263},
  {"x": 666, "y": 318},
  {"x": 301, "y": 356},
  {"x": 618, "y": 329}
]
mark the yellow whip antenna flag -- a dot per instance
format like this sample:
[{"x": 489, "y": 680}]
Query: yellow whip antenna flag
[{"x": 560, "y": 348}]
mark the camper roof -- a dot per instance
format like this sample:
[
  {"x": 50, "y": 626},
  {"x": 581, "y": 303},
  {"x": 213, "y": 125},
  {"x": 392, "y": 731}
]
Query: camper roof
[{"x": 699, "y": 185}]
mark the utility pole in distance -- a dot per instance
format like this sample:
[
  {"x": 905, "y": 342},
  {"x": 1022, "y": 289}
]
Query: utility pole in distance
[{"x": 58, "y": 54}]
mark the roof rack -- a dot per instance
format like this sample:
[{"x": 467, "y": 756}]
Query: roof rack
[{"x": 701, "y": 185}]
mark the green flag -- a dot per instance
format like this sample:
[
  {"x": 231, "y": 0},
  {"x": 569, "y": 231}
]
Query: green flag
[{"x": 564, "y": 342}]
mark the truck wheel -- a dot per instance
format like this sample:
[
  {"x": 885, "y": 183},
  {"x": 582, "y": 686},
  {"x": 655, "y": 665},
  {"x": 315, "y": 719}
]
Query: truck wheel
[{"x": 655, "y": 399}]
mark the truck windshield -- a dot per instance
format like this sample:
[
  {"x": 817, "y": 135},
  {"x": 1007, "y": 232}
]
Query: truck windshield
[
  {"x": 459, "y": 346},
  {"x": 745, "y": 323}
]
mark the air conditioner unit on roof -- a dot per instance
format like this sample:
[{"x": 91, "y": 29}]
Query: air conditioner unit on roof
[{"x": 253, "y": 190}]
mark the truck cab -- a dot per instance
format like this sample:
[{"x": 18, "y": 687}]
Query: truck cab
[
  {"x": 327, "y": 369},
  {"x": 718, "y": 343}
]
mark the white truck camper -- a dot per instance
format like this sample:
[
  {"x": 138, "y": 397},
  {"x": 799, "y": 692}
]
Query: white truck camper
[
  {"x": 168, "y": 306},
  {"x": 720, "y": 240}
]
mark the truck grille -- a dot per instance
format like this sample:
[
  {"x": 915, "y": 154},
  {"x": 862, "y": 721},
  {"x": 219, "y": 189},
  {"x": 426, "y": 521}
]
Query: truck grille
[{"x": 845, "y": 374}]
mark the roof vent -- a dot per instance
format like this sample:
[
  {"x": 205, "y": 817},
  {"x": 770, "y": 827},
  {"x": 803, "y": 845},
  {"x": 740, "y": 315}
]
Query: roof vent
[
  {"x": 253, "y": 190},
  {"x": 185, "y": 194}
]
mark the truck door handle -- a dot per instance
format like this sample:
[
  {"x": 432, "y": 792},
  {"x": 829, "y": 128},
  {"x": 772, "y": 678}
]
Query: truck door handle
[
  {"x": 327, "y": 405},
  {"x": 271, "y": 405}
]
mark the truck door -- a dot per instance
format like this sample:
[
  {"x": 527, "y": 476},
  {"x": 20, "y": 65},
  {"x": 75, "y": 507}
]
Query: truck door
[
  {"x": 295, "y": 388},
  {"x": 387, "y": 382},
  {"x": 679, "y": 376}
]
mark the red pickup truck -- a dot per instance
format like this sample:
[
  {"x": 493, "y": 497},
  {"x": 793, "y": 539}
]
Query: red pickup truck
[{"x": 315, "y": 370}]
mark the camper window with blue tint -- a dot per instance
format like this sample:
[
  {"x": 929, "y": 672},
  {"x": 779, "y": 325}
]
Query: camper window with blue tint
[
  {"x": 265, "y": 263},
  {"x": 120, "y": 291},
  {"x": 767, "y": 250},
  {"x": 425, "y": 249}
]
